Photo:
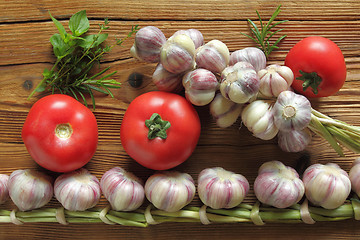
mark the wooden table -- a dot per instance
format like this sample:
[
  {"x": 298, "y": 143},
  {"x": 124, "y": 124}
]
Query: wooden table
[{"x": 25, "y": 29}]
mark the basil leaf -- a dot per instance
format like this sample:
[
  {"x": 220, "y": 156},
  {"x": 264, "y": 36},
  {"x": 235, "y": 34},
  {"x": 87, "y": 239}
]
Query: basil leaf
[
  {"x": 79, "y": 23},
  {"x": 91, "y": 41},
  {"x": 61, "y": 49},
  {"x": 59, "y": 26}
]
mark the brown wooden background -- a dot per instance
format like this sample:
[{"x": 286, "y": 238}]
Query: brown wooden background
[{"x": 25, "y": 29}]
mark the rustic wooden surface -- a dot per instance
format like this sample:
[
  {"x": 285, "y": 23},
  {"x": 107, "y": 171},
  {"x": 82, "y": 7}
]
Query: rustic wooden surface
[{"x": 25, "y": 28}]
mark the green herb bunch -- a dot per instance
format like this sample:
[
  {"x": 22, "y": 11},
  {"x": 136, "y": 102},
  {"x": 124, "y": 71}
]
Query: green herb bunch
[{"x": 76, "y": 55}]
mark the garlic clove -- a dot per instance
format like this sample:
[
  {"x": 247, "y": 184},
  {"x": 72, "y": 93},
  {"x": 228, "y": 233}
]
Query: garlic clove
[
  {"x": 224, "y": 111},
  {"x": 123, "y": 190},
  {"x": 169, "y": 190},
  {"x": 30, "y": 189},
  {"x": 327, "y": 185},
  {"x": 294, "y": 140},
  {"x": 195, "y": 35},
  {"x": 354, "y": 176},
  {"x": 148, "y": 43},
  {"x": 240, "y": 82},
  {"x": 292, "y": 111},
  {"x": 177, "y": 54},
  {"x": 78, "y": 190},
  {"x": 275, "y": 79},
  {"x": 258, "y": 118},
  {"x": 219, "y": 188},
  {"x": 213, "y": 56},
  {"x": 252, "y": 55},
  {"x": 200, "y": 86},
  {"x": 167, "y": 81},
  {"x": 4, "y": 190},
  {"x": 278, "y": 185}
]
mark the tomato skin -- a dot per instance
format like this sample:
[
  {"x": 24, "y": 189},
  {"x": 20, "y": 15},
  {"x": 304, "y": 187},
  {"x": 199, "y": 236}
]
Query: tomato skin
[
  {"x": 182, "y": 136},
  {"x": 46, "y": 148},
  {"x": 320, "y": 55}
]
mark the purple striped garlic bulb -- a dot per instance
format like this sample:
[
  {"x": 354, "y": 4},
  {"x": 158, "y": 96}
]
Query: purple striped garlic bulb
[
  {"x": 200, "y": 86},
  {"x": 251, "y": 55},
  {"x": 275, "y": 79},
  {"x": 354, "y": 176},
  {"x": 294, "y": 140},
  {"x": 224, "y": 111},
  {"x": 278, "y": 185},
  {"x": 219, "y": 188},
  {"x": 167, "y": 81},
  {"x": 4, "y": 190},
  {"x": 148, "y": 43},
  {"x": 213, "y": 56},
  {"x": 169, "y": 190},
  {"x": 240, "y": 82},
  {"x": 195, "y": 35},
  {"x": 30, "y": 189},
  {"x": 327, "y": 185},
  {"x": 123, "y": 190},
  {"x": 178, "y": 54},
  {"x": 78, "y": 190}
]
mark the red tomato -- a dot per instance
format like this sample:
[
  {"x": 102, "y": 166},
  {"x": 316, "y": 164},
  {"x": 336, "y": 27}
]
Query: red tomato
[
  {"x": 179, "y": 138},
  {"x": 60, "y": 133},
  {"x": 322, "y": 66}
]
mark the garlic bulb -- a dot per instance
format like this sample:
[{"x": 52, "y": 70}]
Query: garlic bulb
[
  {"x": 354, "y": 176},
  {"x": 123, "y": 190},
  {"x": 224, "y": 111},
  {"x": 219, "y": 188},
  {"x": 200, "y": 86},
  {"x": 251, "y": 55},
  {"x": 294, "y": 140},
  {"x": 30, "y": 189},
  {"x": 275, "y": 79},
  {"x": 78, "y": 190},
  {"x": 278, "y": 185},
  {"x": 177, "y": 54},
  {"x": 4, "y": 190},
  {"x": 327, "y": 185},
  {"x": 148, "y": 43},
  {"x": 240, "y": 82},
  {"x": 195, "y": 35},
  {"x": 213, "y": 56},
  {"x": 292, "y": 111},
  {"x": 170, "y": 191},
  {"x": 259, "y": 119},
  {"x": 167, "y": 81}
]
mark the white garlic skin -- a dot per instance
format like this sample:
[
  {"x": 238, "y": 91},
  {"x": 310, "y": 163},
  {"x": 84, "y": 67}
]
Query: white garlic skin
[
  {"x": 240, "y": 82},
  {"x": 200, "y": 86},
  {"x": 327, "y": 185},
  {"x": 275, "y": 79},
  {"x": 30, "y": 189},
  {"x": 251, "y": 55},
  {"x": 123, "y": 190},
  {"x": 4, "y": 190},
  {"x": 169, "y": 190},
  {"x": 213, "y": 56},
  {"x": 259, "y": 119},
  {"x": 195, "y": 35},
  {"x": 178, "y": 54},
  {"x": 148, "y": 43},
  {"x": 294, "y": 140},
  {"x": 78, "y": 190},
  {"x": 292, "y": 111},
  {"x": 278, "y": 185},
  {"x": 219, "y": 188},
  {"x": 354, "y": 176},
  {"x": 224, "y": 111},
  {"x": 167, "y": 81}
]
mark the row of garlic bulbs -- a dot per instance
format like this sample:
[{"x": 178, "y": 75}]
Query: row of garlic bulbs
[
  {"x": 276, "y": 185},
  {"x": 236, "y": 85}
]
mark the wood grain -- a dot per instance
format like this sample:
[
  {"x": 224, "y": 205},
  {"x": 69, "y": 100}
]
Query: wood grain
[{"x": 25, "y": 29}]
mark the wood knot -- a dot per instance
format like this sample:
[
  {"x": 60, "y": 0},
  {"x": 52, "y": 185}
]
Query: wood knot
[
  {"x": 135, "y": 79},
  {"x": 28, "y": 84}
]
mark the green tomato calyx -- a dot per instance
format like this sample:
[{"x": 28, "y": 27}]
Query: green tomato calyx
[
  {"x": 312, "y": 80},
  {"x": 157, "y": 126}
]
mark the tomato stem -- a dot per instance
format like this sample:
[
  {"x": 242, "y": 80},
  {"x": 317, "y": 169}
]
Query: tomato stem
[
  {"x": 63, "y": 130},
  {"x": 157, "y": 126},
  {"x": 312, "y": 80}
]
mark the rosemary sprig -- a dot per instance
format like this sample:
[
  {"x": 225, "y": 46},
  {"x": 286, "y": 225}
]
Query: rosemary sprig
[
  {"x": 263, "y": 34},
  {"x": 77, "y": 54}
]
